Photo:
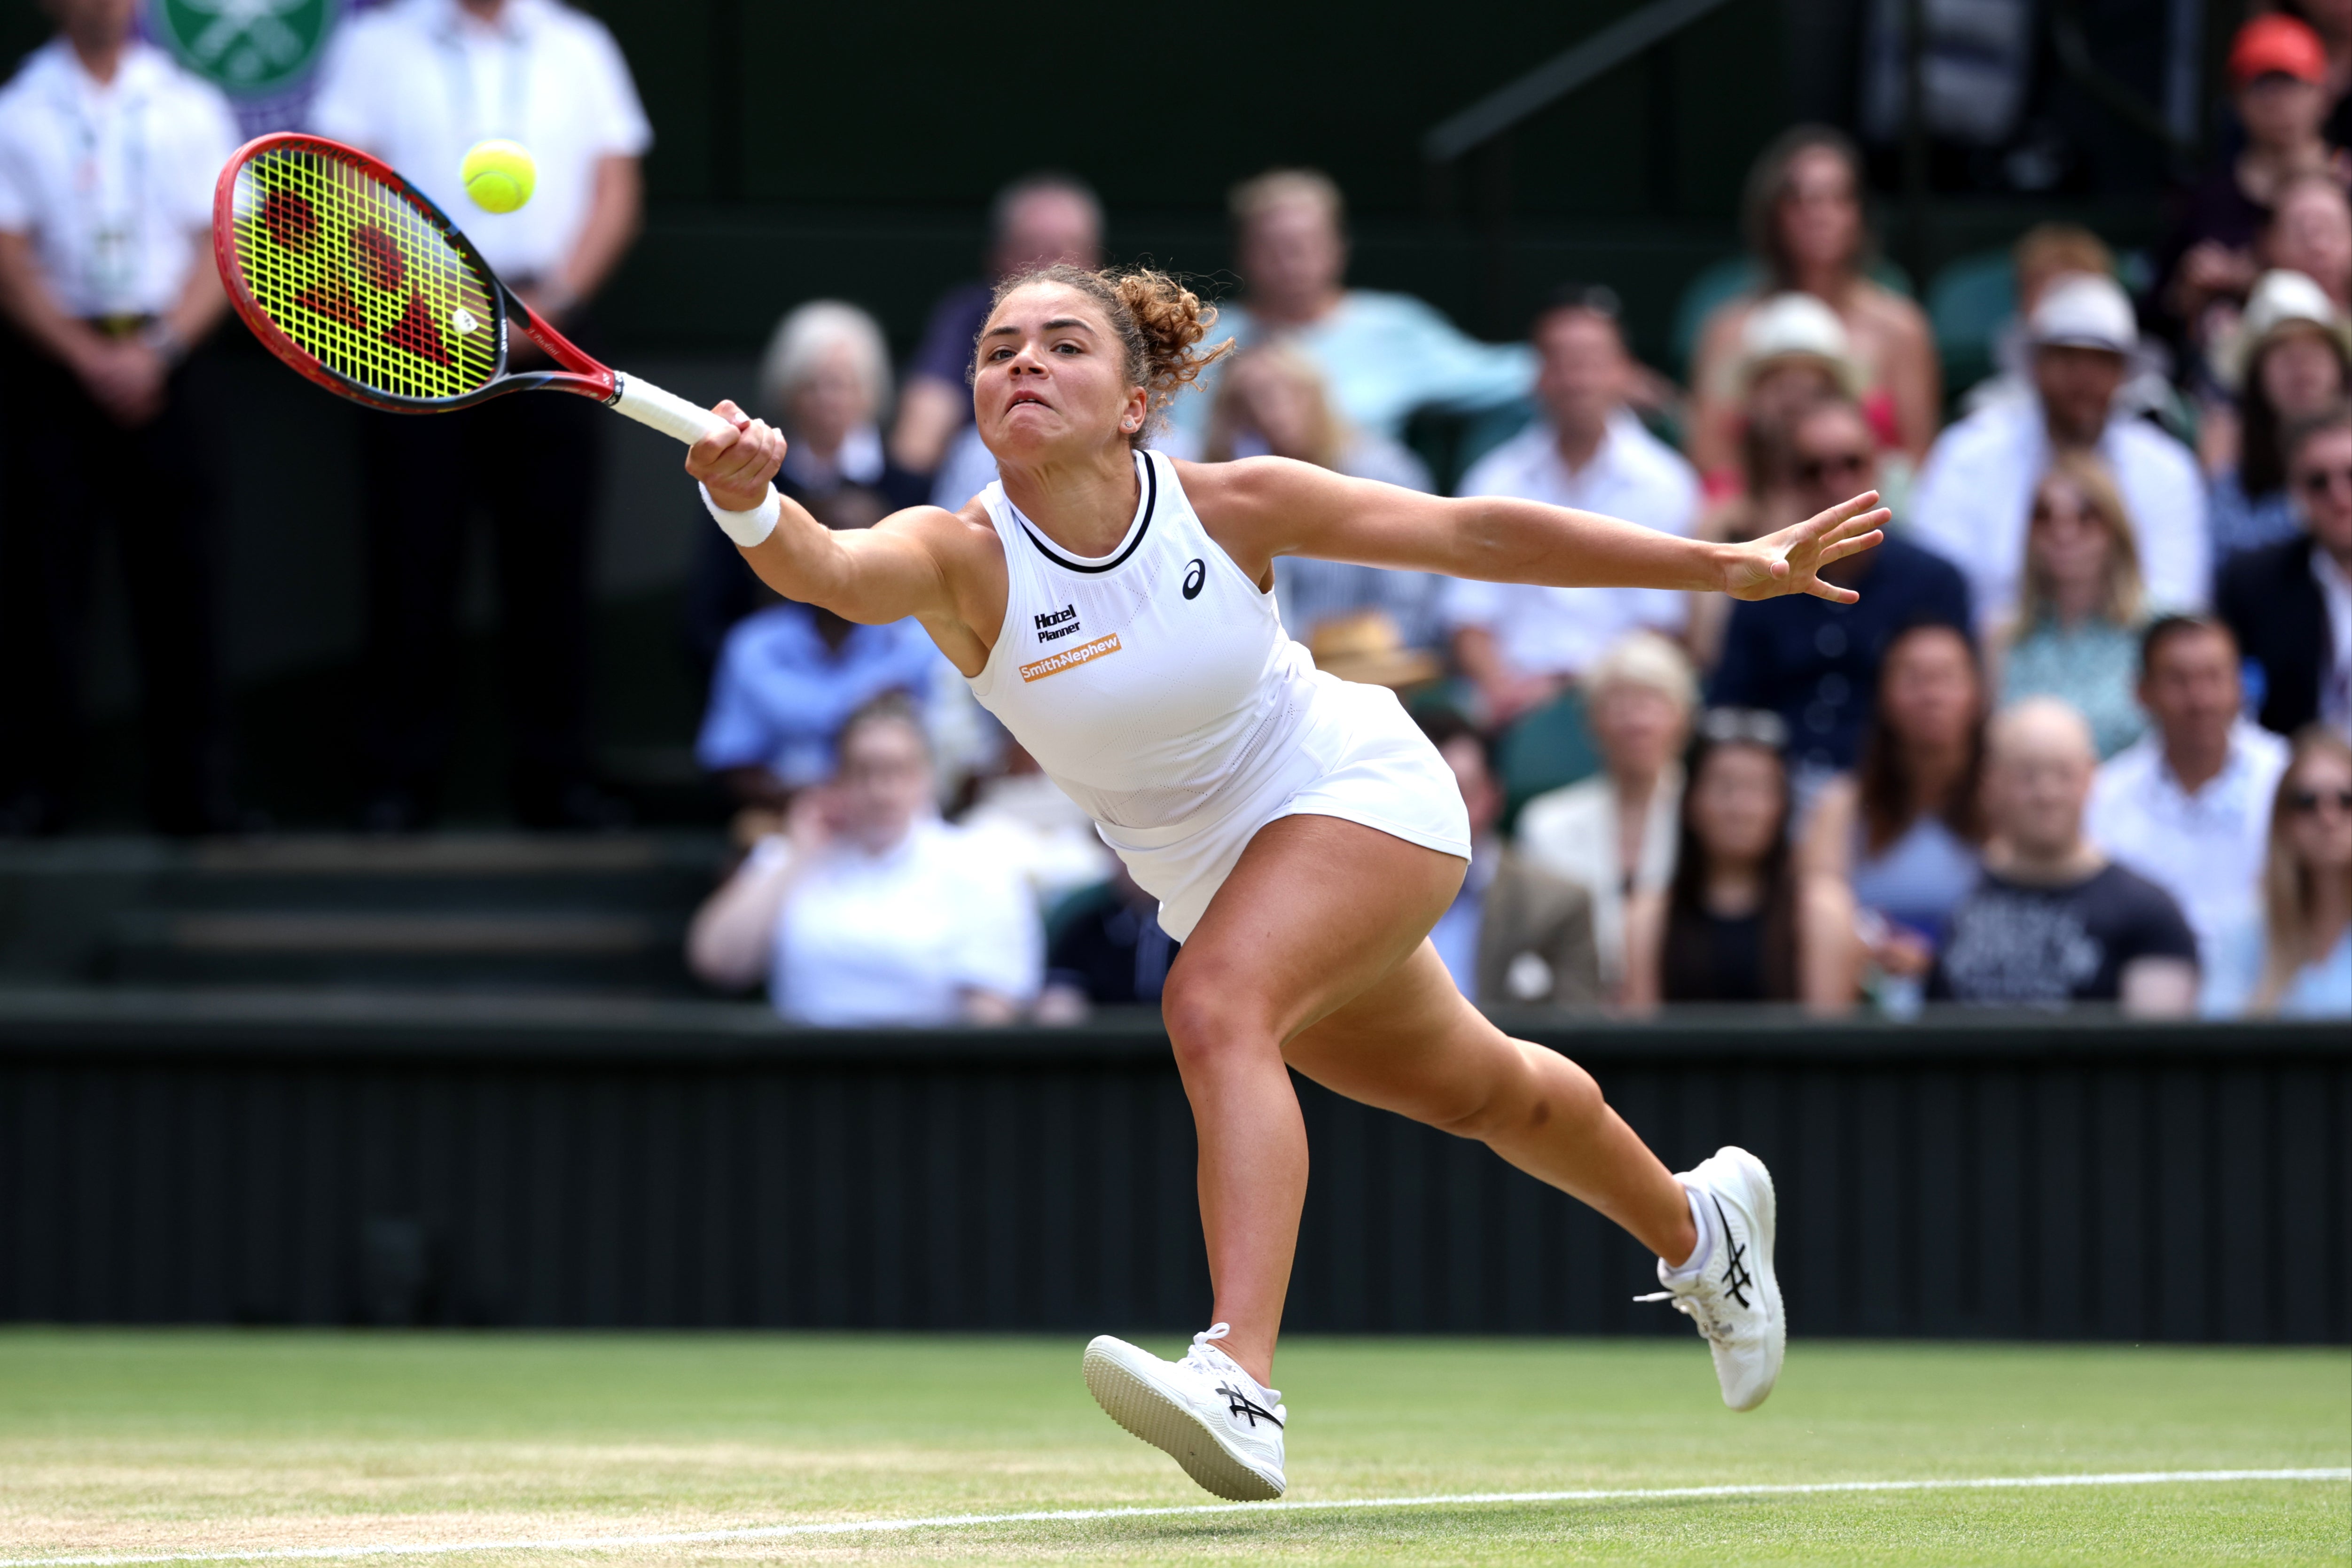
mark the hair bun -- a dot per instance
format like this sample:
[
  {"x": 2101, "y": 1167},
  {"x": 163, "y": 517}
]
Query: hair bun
[{"x": 1160, "y": 324}]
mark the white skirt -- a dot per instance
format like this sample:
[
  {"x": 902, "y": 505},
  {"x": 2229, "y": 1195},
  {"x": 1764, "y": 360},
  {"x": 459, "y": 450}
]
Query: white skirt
[{"x": 1357, "y": 756}]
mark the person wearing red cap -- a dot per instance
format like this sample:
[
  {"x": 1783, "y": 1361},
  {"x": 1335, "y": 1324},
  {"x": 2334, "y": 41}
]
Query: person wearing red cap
[{"x": 2278, "y": 73}]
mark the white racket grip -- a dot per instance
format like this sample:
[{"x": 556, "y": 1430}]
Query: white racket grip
[{"x": 665, "y": 411}]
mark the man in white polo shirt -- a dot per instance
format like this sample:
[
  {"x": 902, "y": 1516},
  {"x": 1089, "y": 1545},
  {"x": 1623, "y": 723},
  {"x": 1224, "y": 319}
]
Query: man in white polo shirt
[
  {"x": 1519, "y": 643},
  {"x": 418, "y": 83},
  {"x": 2187, "y": 806},
  {"x": 108, "y": 153},
  {"x": 1975, "y": 490}
]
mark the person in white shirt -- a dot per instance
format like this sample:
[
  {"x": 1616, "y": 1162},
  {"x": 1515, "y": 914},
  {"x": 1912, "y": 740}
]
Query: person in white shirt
[
  {"x": 1519, "y": 643},
  {"x": 107, "y": 154},
  {"x": 1975, "y": 490},
  {"x": 2188, "y": 805},
  {"x": 1383, "y": 355},
  {"x": 870, "y": 910},
  {"x": 1614, "y": 834},
  {"x": 417, "y": 83}
]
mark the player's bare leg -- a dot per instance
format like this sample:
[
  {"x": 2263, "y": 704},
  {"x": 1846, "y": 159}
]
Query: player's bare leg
[
  {"x": 1410, "y": 1043},
  {"x": 1314, "y": 953}
]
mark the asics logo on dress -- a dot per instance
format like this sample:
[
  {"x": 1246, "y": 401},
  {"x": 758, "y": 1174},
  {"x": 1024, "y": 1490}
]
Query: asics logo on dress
[
  {"x": 1195, "y": 575},
  {"x": 1241, "y": 1406},
  {"x": 1736, "y": 1277}
]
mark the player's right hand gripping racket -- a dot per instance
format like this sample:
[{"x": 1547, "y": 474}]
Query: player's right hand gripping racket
[{"x": 362, "y": 285}]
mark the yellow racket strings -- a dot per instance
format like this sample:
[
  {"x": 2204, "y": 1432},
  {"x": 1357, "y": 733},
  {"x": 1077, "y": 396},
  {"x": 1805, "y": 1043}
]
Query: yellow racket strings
[{"x": 360, "y": 279}]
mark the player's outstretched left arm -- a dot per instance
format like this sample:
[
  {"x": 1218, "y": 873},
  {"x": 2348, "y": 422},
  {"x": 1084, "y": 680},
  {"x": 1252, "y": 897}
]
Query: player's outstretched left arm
[{"x": 1269, "y": 507}]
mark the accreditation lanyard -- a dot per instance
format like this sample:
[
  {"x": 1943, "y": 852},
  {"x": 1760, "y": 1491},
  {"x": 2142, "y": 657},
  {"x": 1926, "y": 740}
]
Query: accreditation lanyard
[
  {"x": 507, "y": 115},
  {"x": 110, "y": 191}
]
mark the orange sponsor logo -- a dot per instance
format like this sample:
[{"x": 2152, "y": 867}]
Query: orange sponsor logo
[{"x": 1054, "y": 664}]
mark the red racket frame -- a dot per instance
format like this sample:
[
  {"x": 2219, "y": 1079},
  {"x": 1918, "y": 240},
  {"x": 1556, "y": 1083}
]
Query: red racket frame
[{"x": 583, "y": 373}]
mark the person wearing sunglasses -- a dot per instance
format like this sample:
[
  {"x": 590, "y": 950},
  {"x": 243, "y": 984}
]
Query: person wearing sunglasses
[
  {"x": 2289, "y": 604},
  {"x": 2076, "y": 632},
  {"x": 2295, "y": 959},
  {"x": 1816, "y": 663},
  {"x": 1976, "y": 491}
]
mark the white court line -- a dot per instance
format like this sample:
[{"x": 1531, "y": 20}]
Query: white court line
[{"x": 955, "y": 1520}]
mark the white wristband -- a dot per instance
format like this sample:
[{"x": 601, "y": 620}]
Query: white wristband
[{"x": 746, "y": 528}]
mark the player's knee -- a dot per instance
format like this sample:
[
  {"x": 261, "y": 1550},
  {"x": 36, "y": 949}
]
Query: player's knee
[{"x": 1210, "y": 1019}]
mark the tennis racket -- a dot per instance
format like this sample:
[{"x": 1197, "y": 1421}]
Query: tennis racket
[{"x": 351, "y": 276}]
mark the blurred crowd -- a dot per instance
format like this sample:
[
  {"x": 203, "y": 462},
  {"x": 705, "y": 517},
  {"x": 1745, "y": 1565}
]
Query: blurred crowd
[{"x": 2086, "y": 737}]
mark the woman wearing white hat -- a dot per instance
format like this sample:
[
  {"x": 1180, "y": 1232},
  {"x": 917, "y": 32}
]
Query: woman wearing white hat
[
  {"x": 1803, "y": 215},
  {"x": 2291, "y": 357}
]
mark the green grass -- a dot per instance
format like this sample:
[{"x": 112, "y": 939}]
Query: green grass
[{"x": 188, "y": 1441}]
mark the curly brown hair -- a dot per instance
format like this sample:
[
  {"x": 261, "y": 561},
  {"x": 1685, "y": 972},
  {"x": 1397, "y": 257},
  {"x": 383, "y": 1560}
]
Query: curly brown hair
[{"x": 1159, "y": 322}]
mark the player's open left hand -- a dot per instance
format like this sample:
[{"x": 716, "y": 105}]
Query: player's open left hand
[
  {"x": 737, "y": 463},
  {"x": 1790, "y": 561}
]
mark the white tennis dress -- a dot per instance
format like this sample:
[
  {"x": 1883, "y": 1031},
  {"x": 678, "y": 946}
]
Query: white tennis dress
[{"x": 1156, "y": 686}]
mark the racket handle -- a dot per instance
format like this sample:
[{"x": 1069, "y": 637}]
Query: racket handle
[{"x": 665, "y": 411}]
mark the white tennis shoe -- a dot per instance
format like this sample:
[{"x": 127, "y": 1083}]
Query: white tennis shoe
[
  {"x": 1734, "y": 1298},
  {"x": 1205, "y": 1412}
]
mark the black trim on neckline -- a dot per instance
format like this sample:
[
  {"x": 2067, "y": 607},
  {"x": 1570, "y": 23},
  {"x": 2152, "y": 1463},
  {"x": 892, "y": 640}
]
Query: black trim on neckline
[{"x": 1151, "y": 505}]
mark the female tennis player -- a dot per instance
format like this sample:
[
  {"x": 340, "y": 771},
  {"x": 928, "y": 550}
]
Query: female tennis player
[{"x": 1115, "y": 609}]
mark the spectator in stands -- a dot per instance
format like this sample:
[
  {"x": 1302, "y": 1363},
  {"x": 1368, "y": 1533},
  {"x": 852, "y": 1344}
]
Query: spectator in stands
[
  {"x": 2291, "y": 357},
  {"x": 1814, "y": 662},
  {"x": 1037, "y": 221},
  {"x": 824, "y": 382},
  {"x": 550, "y": 77},
  {"x": 108, "y": 152},
  {"x": 868, "y": 909},
  {"x": 2277, "y": 69},
  {"x": 2332, "y": 20},
  {"x": 1614, "y": 834},
  {"x": 1514, "y": 931},
  {"x": 1273, "y": 401},
  {"x": 2080, "y": 612},
  {"x": 1736, "y": 923},
  {"x": 1802, "y": 212},
  {"x": 788, "y": 678},
  {"x": 1026, "y": 821},
  {"x": 1905, "y": 831},
  {"x": 1108, "y": 951},
  {"x": 2053, "y": 920},
  {"x": 2310, "y": 231},
  {"x": 1383, "y": 355},
  {"x": 2296, "y": 960},
  {"x": 2041, "y": 255},
  {"x": 2188, "y": 806},
  {"x": 2289, "y": 604},
  {"x": 1519, "y": 643},
  {"x": 1793, "y": 353},
  {"x": 1977, "y": 490}
]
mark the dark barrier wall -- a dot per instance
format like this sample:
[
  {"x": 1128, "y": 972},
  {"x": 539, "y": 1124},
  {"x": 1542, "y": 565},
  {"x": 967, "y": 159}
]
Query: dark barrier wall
[{"x": 208, "y": 1160}]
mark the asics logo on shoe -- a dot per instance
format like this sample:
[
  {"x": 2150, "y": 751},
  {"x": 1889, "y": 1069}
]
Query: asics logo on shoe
[
  {"x": 1239, "y": 1405},
  {"x": 1736, "y": 1277}
]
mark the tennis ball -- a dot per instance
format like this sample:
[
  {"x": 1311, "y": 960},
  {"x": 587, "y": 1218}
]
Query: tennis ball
[{"x": 498, "y": 176}]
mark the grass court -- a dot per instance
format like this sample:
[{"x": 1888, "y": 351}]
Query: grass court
[{"x": 264, "y": 1442}]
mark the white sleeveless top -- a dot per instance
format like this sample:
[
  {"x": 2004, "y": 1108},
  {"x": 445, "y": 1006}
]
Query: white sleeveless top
[
  {"x": 1144, "y": 681},
  {"x": 1156, "y": 687}
]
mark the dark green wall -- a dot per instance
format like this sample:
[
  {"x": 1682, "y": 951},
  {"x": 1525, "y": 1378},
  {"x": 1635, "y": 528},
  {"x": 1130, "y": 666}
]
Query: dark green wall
[{"x": 935, "y": 104}]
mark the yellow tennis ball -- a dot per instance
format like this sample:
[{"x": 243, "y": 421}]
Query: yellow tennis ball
[{"x": 498, "y": 176}]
